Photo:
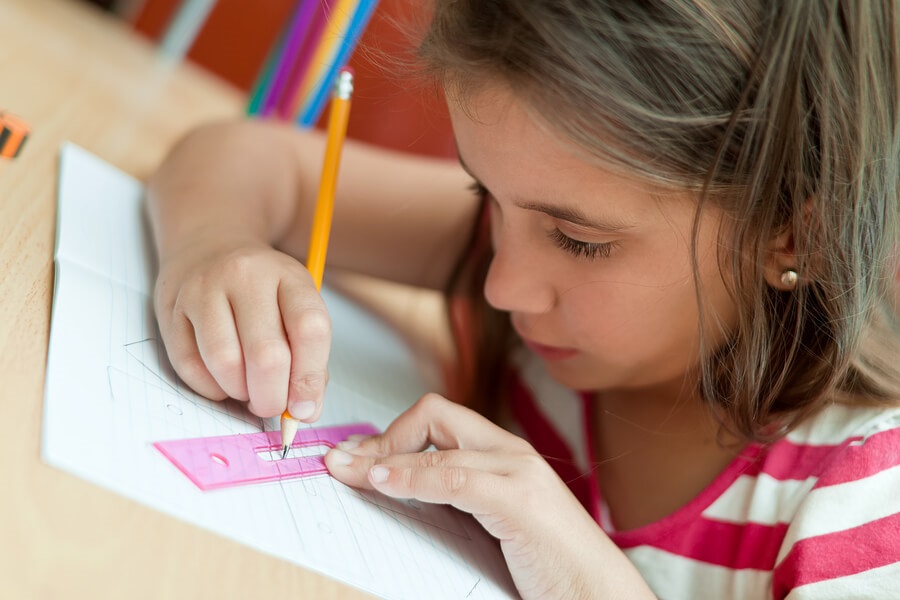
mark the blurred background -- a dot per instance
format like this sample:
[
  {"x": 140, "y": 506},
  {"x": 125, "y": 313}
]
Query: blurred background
[{"x": 390, "y": 109}]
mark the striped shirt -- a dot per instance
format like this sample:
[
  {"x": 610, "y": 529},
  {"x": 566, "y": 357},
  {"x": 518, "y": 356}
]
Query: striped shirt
[{"x": 813, "y": 515}]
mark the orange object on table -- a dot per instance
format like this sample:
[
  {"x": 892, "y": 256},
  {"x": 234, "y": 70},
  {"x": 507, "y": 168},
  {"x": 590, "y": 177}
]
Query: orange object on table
[{"x": 13, "y": 133}]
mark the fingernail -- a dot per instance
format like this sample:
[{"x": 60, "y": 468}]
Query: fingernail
[
  {"x": 339, "y": 458},
  {"x": 379, "y": 474},
  {"x": 303, "y": 409},
  {"x": 348, "y": 444}
]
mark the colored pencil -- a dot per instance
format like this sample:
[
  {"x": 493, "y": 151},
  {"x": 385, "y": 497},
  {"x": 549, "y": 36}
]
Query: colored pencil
[{"x": 319, "y": 39}]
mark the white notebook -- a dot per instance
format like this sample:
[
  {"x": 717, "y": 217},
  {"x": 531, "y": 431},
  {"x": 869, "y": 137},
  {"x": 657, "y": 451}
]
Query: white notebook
[{"x": 110, "y": 393}]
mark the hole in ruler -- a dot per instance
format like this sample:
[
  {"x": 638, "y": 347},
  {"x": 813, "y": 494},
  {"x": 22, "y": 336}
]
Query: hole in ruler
[
  {"x": 295, "y": 452},
  {"x": 175, "y": 409},
  {"x": 219, "y": 459}
]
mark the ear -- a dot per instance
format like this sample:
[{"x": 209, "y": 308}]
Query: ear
[{"x": 780, "y": 259}]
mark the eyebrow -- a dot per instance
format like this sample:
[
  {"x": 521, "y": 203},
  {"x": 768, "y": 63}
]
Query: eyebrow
[
  {"x": 563, "y": 213},
  {"x": 575, "y": 216}
]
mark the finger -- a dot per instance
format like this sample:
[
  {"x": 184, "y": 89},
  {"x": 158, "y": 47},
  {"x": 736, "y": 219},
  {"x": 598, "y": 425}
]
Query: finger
[
  {"x": 434, "y": 420},
  {"x": 354, "y": 470},
  {"x": 267, "y": 356},
  {"x": 181, "y": 346},
  {"x": 219, "y": 346},
  {"x": 308, "y": 327},
  {"x": 357, "y": 437},
  {"x": 470, "y": 490}
]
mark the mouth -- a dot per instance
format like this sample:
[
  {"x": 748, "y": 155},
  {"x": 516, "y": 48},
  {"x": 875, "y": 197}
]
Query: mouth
[
  {"x": 544, "y": 351},
  {"x": 549, "y": 353}
]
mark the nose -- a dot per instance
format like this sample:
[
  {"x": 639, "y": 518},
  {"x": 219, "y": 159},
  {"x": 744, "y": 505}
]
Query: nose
[{"x": 518, "y": 280}]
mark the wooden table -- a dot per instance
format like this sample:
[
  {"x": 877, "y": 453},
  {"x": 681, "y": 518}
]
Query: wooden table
[{"x": 76, "y": 74}]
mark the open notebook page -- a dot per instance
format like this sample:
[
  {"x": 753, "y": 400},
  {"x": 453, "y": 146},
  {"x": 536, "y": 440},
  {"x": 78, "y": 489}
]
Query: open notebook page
[{"x": 110, "y": 394}]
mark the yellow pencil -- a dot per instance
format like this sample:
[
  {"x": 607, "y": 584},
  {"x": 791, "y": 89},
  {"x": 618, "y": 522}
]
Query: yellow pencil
[{"x": 321, "y": 228}]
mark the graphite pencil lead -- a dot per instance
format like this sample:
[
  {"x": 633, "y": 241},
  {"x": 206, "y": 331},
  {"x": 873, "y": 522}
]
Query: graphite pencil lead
[{"x": 284, "y": 451}]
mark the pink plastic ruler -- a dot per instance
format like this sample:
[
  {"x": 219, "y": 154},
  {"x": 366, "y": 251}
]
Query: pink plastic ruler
[{"x": 230, "y": 460}]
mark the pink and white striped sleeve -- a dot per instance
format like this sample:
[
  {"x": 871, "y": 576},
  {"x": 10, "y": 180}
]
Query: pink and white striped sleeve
[{"x": 844, "y": 541}]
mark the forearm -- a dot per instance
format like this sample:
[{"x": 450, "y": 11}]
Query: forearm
[
  {"x": 228, "y": 182},
  {"x": 233, "y": 312},
  {"x": 397, "y": 216},
  {"x": 612, "y": 574}
]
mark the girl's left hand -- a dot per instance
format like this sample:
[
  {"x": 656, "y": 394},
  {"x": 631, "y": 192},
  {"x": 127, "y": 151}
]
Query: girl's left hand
[{"x": 552, "y": 546}]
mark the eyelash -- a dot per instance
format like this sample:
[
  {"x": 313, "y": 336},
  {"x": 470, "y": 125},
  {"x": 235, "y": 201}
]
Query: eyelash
[{"x": 577, "y": 248}]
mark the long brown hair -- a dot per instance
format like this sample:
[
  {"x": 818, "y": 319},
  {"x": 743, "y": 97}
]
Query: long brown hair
[{"x": 785, "y": 114}]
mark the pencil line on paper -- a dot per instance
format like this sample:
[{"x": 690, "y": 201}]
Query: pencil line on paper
[{"x": 206, "y": 406}]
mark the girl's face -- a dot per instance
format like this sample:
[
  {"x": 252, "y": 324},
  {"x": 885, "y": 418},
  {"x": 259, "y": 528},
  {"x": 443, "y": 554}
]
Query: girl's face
[{"x": 594, "y": 268}]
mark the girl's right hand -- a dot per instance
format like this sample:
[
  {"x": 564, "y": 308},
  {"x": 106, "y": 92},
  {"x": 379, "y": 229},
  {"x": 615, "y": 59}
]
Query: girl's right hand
[{"x": 245, "y": 321}]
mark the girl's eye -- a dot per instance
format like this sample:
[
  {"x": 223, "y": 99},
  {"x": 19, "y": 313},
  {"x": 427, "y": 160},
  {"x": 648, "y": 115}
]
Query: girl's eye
[
  {"x": 588, "y": 250},
  {"x": 577, "y": 248}
]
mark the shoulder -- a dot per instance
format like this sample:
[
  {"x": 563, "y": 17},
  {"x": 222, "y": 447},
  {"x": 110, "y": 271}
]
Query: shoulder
[
  {"x": 845, "y": 535},
  {"x": 843, "y": 422},
  {"x": 841, "y": 439}
]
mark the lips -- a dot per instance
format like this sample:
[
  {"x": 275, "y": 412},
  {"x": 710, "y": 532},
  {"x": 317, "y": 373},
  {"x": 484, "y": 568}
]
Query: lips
[
  {"x": 550, "y": 353},
  {"x": 544, "y": 351}
]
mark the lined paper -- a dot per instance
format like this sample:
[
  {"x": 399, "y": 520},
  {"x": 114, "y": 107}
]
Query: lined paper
[{"x": 110, "y": 393}]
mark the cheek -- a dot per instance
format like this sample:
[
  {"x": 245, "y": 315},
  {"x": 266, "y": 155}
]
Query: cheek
[
  {"x": 629, "y": 308},
  {"x": 720, "y": 311},
  {"x": 495, "y": 221},
  {"x": 625, "y": 310},
  {"x": 647, "y": 316}
]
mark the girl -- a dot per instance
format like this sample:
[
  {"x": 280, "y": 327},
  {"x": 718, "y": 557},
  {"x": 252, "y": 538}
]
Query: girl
[{"x": 686, "y": 342}]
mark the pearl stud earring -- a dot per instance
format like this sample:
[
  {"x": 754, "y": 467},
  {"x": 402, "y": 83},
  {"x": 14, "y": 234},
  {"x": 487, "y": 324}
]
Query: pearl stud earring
[{"x": 789, "y": 278}]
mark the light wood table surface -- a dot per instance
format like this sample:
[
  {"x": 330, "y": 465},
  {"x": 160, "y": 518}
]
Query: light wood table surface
[{"x": 77, "y": 74}]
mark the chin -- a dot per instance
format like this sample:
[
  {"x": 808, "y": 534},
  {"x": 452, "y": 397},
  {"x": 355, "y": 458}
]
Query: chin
[{"x": 583, "y": 379}]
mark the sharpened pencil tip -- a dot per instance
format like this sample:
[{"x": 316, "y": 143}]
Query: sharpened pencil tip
[{"x": 284, "y": 451}]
